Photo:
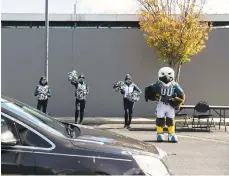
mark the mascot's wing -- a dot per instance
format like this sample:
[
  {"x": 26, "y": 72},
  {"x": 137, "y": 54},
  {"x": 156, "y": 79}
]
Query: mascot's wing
[
  {"x": 146, "y": 93},
  {"x": 150, "y": 93},
  {"x": 178, "y": 101}
]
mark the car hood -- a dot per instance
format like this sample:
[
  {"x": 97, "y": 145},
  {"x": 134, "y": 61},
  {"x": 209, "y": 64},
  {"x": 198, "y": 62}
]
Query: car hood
[{"x": 103, "y": 140}]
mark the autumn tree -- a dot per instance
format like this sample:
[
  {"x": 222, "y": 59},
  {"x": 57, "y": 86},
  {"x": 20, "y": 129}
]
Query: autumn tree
[{"x": 173, "y": 29}]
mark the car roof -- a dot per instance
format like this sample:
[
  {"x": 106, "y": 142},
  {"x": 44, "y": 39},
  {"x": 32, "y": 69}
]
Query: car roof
[{"x": 5, "y": 99}]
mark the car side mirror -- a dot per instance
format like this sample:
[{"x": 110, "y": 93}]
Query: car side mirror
[{"x": 8, "y": 139}]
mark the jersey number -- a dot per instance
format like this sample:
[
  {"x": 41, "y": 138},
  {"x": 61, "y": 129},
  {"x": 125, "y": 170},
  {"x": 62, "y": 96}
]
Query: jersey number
[{"x": 167, "y": 91}]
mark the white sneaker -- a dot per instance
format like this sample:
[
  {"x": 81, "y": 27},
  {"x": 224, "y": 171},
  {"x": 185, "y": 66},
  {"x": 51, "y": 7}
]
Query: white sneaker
[
  {"x": 173, "y": 138},
  {"x": 160, "y": 137}
]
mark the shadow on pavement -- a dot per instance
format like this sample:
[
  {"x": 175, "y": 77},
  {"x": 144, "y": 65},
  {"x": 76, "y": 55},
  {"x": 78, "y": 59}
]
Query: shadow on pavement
[
  {"x": 166, "y": 130},
  {"x": 111, "y": 128},
  {"x": 153, "y": 129},
  {"x": 155, "y": 141}
]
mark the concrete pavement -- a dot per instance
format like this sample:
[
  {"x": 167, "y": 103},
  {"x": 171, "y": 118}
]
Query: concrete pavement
[{"x": 196, "y": 153}]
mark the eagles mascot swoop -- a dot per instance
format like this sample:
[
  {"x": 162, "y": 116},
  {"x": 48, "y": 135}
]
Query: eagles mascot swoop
[{"x": 170, "y": 96}]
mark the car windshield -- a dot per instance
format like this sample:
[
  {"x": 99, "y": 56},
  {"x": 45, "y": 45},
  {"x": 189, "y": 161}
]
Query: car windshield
[{"x": 37, "y": 117}]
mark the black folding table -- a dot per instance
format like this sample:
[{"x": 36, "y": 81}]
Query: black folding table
[{"x": 219, "y": 110}]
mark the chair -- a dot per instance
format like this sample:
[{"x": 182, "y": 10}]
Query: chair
[
  {"x": 186, "y": 119},
  {"x": 202, "y": 111}
]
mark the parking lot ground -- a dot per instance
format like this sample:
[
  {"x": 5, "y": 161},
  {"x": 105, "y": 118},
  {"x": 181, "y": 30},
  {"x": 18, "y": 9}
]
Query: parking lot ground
[{"x": 196, "y": 153}]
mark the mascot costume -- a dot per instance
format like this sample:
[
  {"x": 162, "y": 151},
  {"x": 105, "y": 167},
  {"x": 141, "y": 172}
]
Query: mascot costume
[{"x": 170, "y": 96}]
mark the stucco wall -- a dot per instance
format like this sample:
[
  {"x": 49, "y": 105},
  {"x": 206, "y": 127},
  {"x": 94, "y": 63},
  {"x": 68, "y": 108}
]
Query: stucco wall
[{"x": 104, "y": 56}]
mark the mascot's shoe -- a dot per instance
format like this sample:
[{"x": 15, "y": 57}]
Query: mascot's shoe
[
  {"x": 160, "y": 137},
  {"x": 173, "y": 138}
]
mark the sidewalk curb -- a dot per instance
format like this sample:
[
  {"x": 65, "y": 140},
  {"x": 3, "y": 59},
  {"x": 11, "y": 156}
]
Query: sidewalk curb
[
  {"x": 100, "y": 121},
  {"x": 96, "y": 121}
]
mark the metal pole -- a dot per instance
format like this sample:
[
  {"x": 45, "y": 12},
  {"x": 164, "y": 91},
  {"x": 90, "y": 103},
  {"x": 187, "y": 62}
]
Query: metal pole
[
  {"x": 75, "y": 8},
  {"x": 75, "y": 15},
  {"x": 46, "y": 39}
]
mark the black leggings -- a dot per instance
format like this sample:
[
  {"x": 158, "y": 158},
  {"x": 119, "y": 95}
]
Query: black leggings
[
  {"x": 80, "y": 106},
  {"x": 128, "y": 108},
  {"x": 42, "y": 104}
]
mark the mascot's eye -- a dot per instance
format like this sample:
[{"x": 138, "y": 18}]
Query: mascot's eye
[
  {"x": 163, "y": 73},
  {"x": 170, "y": 73}
]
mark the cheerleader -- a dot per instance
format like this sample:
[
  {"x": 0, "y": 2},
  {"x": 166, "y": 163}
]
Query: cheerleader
[
  {"x": 127, "y": 90},
  {"x": 81, "y": 92},
  {"x": 42, "y": 92}
]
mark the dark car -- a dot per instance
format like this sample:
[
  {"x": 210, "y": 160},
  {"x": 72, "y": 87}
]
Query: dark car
[{"x": 35, "y": 143}]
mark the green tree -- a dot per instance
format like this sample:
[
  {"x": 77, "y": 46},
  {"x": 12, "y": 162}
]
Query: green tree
[{"x": 174, "y": 30}]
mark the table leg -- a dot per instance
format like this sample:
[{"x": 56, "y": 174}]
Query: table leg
[
  {"x": 224, "y": 116},
  {"x": 220, "y": 115}
]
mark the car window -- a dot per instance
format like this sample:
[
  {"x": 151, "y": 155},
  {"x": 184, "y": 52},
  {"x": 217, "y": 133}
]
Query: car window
[
  {"x": 25, "y": 136},
  {"x": 29, "y": 138},
  {"x": 4, "y": 126},
  {"x": 37, "y": 118},
  {"x": 8, "y": 125}
]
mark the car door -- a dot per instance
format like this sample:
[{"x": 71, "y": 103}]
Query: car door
[
  {"x": 15, "y": 159},
  {"x": 32, "y": 139}
]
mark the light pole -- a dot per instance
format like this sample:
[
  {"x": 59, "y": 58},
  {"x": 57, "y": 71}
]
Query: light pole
[
  {"x": 46, "y": 39},
  {"x": 75, "y": 16}
]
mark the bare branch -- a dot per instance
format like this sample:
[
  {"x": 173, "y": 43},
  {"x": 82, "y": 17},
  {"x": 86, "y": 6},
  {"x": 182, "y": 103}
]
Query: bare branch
[
  {"x": 187, "y": 8},
  {"x": 163, "y": 7},
  {"x": 156, "y": 6},
  {"x": 179, "y": 6},
  {"x": 144, "y": 5},
  {"x": 202, "y": 4},
  {"x": 148, "y": 7},
  {"x": 167, "y": 7}
]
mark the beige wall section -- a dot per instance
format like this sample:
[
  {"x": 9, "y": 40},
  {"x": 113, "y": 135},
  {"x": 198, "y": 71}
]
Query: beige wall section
[{"x": 104, "y": 56}]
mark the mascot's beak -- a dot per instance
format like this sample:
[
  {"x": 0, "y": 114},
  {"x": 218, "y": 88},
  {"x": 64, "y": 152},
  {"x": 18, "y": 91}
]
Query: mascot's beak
[{"x": 165, "y": 79}]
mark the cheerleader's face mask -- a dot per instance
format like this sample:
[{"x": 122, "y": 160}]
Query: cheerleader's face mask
[
  {"x": 43, "y": 81},
  {"x": 81, "y": 80},
  {"x": 128, "y": 81}
]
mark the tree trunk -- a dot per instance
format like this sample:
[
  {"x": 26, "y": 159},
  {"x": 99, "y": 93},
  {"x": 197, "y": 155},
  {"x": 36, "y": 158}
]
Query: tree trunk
[
  {"x": 177, "y": 78},
  {"x": 176, "y": 69}
]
